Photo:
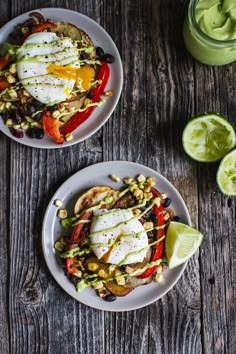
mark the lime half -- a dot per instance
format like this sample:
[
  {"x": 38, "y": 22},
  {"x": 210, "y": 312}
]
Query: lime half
[
  {"x": 208, "y": 137},
  {"x": 181, "y": 243},
  {"x": 226, "y": 174}
]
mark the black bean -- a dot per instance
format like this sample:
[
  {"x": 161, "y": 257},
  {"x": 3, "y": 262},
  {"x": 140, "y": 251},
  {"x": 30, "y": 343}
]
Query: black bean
[
  {"x": 31, "y": 133},
  {"x": 17, "y": 119},
  {"x": 110, "y": 298},
  {"x": 53, "y": 107},
  {"x": 39, "y": 133},
  {"x": 38, "y": 116},
  {"x": 31, "y": 108},
  {"x": 99, "y": 52},
  {"x": 5, "y": 116},
  {"x": 37, "y": 103},
  {"x": 90, "y": 95},
  {"x": 72, "y": 279},
  {"x": 153, "y": 218},
  {"x": 17, "y": 133},
  {"x": 108, "y": 58},
  {"x": 176, "y": 218},
  {"x": 166, "y": 203}
]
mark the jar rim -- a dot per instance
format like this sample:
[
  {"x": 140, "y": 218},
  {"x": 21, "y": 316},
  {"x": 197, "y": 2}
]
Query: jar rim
[{"x": 192, "y": 7}]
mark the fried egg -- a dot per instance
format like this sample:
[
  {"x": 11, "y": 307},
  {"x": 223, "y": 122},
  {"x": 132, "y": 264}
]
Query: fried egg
[
  {"x": 48, "y": 67},
  {"x": 117, "y": 237}
]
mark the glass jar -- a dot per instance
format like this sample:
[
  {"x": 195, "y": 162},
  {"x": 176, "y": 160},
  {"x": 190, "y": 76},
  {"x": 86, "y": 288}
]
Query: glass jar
[{"x": 201, "y": 46}]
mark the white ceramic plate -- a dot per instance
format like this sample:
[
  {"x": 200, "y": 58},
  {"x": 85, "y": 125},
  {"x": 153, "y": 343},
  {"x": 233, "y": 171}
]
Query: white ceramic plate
[
  {"x": 70, "y": 190},
  {"x": 100, "y": 38}
]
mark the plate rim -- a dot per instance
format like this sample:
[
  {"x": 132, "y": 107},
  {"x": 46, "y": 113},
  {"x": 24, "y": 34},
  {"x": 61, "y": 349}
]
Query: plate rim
[
  {"x": 119, "y": 86},
  {"x": 50, "y": 204}
]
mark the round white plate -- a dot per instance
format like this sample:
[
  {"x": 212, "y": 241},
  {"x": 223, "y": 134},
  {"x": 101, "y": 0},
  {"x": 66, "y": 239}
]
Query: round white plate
[
  {"x": 69, "y": 191},
  {"x": 100, "y": 38}
]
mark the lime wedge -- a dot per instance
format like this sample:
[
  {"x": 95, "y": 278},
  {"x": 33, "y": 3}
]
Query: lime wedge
[
  {"x": 226, "y": 174},
  {"x": 208, "y": 137},
  {"x": 181, "y": 243}
]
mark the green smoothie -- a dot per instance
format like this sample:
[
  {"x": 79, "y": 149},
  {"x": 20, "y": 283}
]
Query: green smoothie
[{"x": 210, "y": 31}]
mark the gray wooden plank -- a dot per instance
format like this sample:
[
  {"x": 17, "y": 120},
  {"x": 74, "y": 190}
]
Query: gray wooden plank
[
  {"x": 44, "y": 319},
  {"x": 155, "y": 103},
  {"x": 4, "y": 229},
  {"x": 217, "y": 221}
]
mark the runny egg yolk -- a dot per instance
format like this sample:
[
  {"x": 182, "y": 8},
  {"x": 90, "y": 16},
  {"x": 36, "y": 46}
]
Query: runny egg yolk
[{"x": 83, "y": 76}]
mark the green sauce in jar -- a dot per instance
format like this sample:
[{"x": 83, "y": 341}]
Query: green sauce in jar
[{"x": 210, "y": 31}]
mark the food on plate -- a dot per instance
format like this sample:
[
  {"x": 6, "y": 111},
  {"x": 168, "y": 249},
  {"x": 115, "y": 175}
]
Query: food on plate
[
  {"x": 226, "y": 174},
  {"x": 51, "y": 79},
  {"x": 114, "y": 242},
  {"x": 208, "y": 137}
]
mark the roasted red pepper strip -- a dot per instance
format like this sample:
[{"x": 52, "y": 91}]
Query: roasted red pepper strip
[
  {"x": 80, "y": 117},
  {"x": 4, "y": 62},
  {"x": 77, "y": 236},
  {"x": 158, "y": 248},
  {"x": 51, "y": 127},
  {"x": 43, "y": 26},
  {"x": 4, "y": 84}
]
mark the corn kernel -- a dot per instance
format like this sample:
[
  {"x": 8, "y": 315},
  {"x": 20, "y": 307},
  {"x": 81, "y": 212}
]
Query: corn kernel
[
  {"x": 137, "y": 211},
  {"x": 133, "y": 187},
  {"x": 77, "y": 273},
  {"x": 111, "y": 269},
  {"x": 98, "y": 285},
  {"x": 148, "y": 225},
  {"x": 61, "y": 108},
  {"x": 12, "y": 93},
  {"x": 115, "y": 178},
  {"x": 92, "y": 266},
  {"x": 109, "y": 93},
  {"x": 9, "y": 123},
  {"x": 158, "y": 278},
  {"x": 62, "y": 213},
  {"x": 148, "y": 196},
  {"x": 26, "y": 93},
  {"x": 56, "y": 114},
  {"x": 128, "y": 180},
  {"x": 150, "y": 181},
  {"x": 8, "y": 105},
  {"x": 24, "y": 29},
  {"x": 147, "y": 189},
  {"x": 24, "y": 125},
  {"x": 159, "y": 269},
  {"x": 102, "y": 273},
  {"x": 141, "y": 178},
  {"x": 117, "y": 272},
  {"x": 23, "y": 99},
  {"x": 87, "y": 101},
  {"x": 58, "y": 246},
  {"x": 120, "y": 280},
  {"x": 12, "y": 69},
  {"x": 68, "y": 137},
  {"x": 58, "y": 203},
  {"x": 137, "y": 192},
  {"x": 11, "y": 79},
  {"x": 2, "y": 106}
]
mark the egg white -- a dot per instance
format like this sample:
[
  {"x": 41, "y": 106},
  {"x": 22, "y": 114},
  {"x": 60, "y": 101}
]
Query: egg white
[
  {"x": 130, "y": 249},
  {"x": 38, "y": 52}
]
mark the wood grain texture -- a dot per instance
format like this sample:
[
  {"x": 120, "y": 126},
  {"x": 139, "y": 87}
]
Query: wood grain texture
[{"x": 163, "y": 87}]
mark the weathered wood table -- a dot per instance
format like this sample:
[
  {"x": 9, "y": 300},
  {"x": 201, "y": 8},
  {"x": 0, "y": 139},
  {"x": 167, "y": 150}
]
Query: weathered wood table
[{"x": 163, "y": 87}]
